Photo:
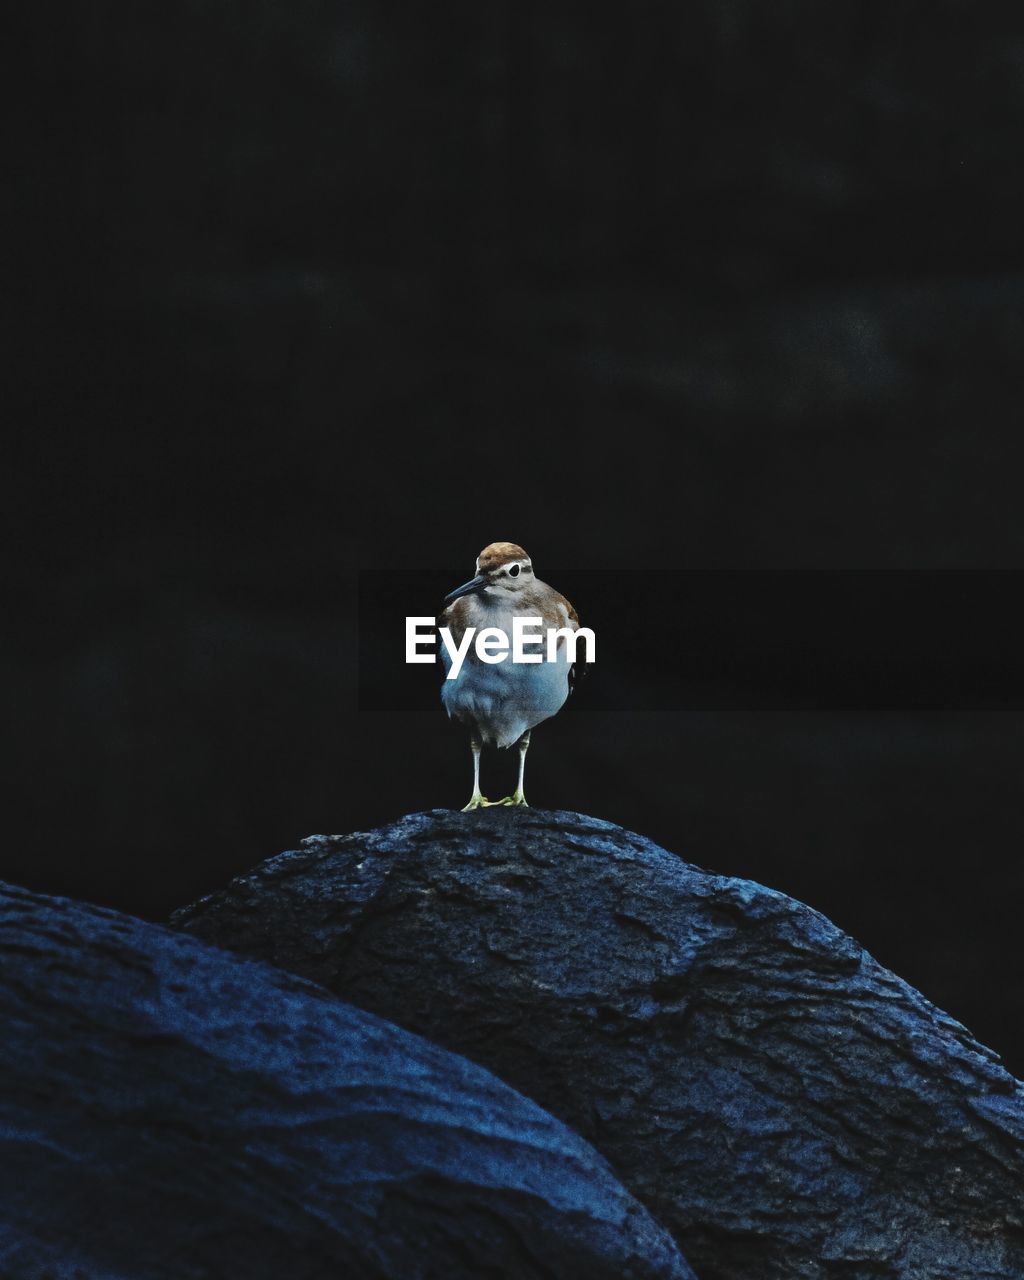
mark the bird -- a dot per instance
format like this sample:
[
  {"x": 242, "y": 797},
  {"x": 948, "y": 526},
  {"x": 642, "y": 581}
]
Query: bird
[{"x": 501, "y": 702}]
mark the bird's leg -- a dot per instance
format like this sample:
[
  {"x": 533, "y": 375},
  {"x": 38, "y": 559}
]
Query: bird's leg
[
  {"x": 518, "y": 796},
  {"x": 477, "y": 800}
]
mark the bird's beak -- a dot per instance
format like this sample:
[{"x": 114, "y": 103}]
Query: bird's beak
[{"x": 474, "y": 584}]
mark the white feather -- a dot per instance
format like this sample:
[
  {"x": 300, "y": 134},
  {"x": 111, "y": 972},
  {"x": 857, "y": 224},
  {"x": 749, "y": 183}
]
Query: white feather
[{"x": 504, "y": 699}]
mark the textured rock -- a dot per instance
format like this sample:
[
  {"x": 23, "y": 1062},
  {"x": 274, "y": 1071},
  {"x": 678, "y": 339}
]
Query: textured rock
[
  {"x": 169, "y": 1111},
  {"x": 786, "y": 1105}
]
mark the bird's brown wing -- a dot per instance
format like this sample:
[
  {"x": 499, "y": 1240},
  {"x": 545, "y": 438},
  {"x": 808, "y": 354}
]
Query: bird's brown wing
[
  {"x": 456, "y": 618},
  {"x": 579, "y": 668}
]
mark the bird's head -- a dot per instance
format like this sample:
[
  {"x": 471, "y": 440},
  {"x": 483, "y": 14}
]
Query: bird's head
[{"x": 500, "y": 567}]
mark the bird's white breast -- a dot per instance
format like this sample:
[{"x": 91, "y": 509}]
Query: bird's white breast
[{"x": 504, "y": 699}]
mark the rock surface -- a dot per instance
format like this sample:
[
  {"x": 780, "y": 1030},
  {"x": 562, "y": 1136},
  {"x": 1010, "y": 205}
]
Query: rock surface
[
  {"x": 167, "y": 1111},
  {"x": 786, "y": 1105}
]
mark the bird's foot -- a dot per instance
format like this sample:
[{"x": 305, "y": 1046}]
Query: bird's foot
[
  {"x": 478, "y": 801},
  {"x": 517, "y": 799}
]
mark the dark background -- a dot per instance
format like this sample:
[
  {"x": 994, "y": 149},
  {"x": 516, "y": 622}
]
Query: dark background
[{"x": 307, "y": 297}]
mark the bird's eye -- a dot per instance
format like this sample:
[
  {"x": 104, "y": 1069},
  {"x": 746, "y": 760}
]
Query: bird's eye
[{"x": 514, "y": 571}]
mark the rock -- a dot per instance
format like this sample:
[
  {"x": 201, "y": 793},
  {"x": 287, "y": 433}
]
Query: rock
[
  {"x": 787, "y": 1106},
  {"x": 168, "y": 1111}
]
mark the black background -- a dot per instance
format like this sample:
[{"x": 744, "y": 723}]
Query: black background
[{"x": 308, "y": 302}]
